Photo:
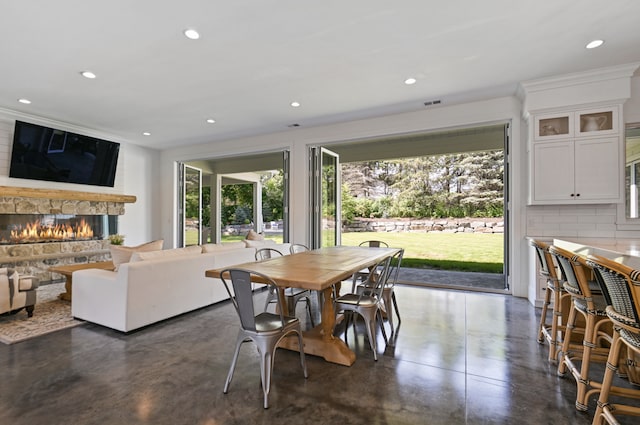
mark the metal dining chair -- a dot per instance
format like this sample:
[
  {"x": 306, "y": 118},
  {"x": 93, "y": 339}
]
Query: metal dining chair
[
  {"x": 362, "y": 274},
  {"x": 298, "y": 247},
  {"x": 366, "y": 304},
  {"x": 291, "y": 295},
  {"x": 389, "y": 301},
  {"x": 266, "y": 330}
]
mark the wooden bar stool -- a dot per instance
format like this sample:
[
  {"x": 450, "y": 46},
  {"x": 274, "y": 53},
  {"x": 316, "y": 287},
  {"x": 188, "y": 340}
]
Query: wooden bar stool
[
  {"x": 550, "y": 331},
  {"x": 622, "y": 285},
  {"x": 588, "y": 302}
]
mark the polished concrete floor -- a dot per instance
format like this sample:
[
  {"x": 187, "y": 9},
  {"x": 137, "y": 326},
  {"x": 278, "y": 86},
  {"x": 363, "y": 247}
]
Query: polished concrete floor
[{"x": 459, "y": 358}]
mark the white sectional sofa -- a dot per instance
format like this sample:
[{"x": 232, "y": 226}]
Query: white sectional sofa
[{"x": 157, "y": 285}]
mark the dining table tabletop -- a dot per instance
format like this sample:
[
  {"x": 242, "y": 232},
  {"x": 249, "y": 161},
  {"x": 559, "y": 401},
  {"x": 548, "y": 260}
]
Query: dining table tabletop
[{"x": 317, "y": 270}]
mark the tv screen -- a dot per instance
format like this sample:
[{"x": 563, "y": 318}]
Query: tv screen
[{"x": 43, "y": 153}]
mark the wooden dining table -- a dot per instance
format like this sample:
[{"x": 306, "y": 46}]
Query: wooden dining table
[{"x": 318, "y": 270}]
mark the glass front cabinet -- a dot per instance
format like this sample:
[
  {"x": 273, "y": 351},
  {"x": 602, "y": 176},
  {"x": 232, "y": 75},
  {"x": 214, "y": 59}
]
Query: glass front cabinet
[{"x": 576, "y": 157}]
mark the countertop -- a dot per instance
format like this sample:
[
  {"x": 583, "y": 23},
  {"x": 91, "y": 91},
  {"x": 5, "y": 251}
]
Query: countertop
[{"x": 625, "y": 251}]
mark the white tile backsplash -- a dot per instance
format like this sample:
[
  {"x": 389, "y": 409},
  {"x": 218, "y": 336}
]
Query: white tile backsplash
[{"x": 588, "y": 221}]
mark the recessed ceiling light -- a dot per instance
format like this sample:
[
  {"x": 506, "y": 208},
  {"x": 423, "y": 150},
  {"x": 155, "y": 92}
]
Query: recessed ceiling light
[
  {"x": 146, "y": 133},
  {"x": 88, "y": 74},
  {"x": 191, "y": 34},
  {"x": 25, "y": 101},
  {"x": 295, "y": 104},
  {"x": 410, "y": 81},
  {"x": 211, "y": 121},
  {"x": 594, "y": 44}
]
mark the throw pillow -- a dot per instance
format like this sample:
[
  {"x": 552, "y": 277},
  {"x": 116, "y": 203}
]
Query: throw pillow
[
  {"x": 122, "y": 254},
  {"x": 254, "y": 236}
]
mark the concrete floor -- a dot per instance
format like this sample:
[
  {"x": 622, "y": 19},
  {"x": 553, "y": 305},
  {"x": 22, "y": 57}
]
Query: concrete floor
[
  {"x": 445, "y": 278},
  {"x": 460, "y": 358}
]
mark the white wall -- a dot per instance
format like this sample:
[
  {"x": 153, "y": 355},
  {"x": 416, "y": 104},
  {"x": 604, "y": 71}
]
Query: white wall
[
  {"x": 141, "y": 221},
  {"x": 136, "y": 174}
]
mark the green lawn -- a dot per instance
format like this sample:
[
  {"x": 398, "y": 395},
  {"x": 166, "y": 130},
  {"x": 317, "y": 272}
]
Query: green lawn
[{"x": 479, "y": 252}]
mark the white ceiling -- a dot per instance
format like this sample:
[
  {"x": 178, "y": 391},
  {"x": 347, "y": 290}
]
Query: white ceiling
[{"x": 342, "y": 60}]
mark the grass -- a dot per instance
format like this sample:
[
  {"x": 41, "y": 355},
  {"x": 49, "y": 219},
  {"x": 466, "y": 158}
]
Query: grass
[{"x": 476, "y": 252}]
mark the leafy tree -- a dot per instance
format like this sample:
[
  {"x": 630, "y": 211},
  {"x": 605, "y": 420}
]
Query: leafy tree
[{"x": 454, "y": 185}]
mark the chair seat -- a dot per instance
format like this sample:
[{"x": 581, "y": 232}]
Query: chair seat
[
  {"x": 355, "y": 299},
  {"x": 631, "y": 337},
  {"x": 267, "y": 322},
  {"x": 599, "y": 302}
]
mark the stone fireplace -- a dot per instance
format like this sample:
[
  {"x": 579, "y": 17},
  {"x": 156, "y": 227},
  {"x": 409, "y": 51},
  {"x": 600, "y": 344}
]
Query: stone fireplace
[{"x": 41, "y": 228}]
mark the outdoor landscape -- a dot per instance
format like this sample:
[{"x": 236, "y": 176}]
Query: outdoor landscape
[{"x": 436, "y": 187}]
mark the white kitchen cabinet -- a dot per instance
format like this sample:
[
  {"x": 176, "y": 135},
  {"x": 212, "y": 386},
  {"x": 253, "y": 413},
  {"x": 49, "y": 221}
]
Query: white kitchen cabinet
[{"x": 575, "y": 158}]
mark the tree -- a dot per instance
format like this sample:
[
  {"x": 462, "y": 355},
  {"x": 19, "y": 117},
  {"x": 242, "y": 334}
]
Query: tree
[{"x": 453, "y": 185}]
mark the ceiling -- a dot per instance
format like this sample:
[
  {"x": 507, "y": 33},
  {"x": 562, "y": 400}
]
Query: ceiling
[{"x": 342, "y": 60}]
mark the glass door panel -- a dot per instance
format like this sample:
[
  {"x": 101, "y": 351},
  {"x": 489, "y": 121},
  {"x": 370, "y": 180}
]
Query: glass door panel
[
  {"x": 326, "y": 206},
  {"x": 191, "y": 206}
]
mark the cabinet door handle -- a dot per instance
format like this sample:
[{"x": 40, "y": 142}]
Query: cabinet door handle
[
  {"x": 577, "y": 194},
  {"x": 572, "y": 195}
]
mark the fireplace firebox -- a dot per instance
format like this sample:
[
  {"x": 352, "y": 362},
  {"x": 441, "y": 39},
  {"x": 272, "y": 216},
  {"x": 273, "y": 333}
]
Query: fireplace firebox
[{"x": 43, "y": 228}]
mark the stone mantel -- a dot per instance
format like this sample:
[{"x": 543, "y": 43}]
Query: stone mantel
[{"x": 22, "y": 200}]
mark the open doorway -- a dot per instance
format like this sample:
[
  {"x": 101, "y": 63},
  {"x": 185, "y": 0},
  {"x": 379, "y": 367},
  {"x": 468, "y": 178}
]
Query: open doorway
[
  {"x": 437, "y": 192},
  {"x": 236, "y": 195}
]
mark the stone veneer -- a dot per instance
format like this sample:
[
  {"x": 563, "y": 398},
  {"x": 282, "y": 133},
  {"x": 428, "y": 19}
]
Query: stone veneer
[
  {"x": 20, "y": 205},
  {"x": 36, "y": 258}
]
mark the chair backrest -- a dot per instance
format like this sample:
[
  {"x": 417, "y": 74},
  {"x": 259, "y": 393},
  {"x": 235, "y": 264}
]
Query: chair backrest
[
  {"x": 375, "y": 282},
  {"x": 242, "y": 294},
  {"x": 374, "y": 244},
  {"x": 623, "y": 286},
  {"x": 545, "y": 262},
  {"x": 394, "y": 268},
  {"x": 266, "y": 253},
  {"x": 575, "y": 277},
  {"x": 298, "y": 247}
]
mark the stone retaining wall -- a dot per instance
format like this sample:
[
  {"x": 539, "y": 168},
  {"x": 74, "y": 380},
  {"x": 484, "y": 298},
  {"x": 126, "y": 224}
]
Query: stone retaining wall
[{"x": 446, "y": 225}]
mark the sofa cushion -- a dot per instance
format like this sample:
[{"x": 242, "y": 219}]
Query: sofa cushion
[
  {"x": 258, "y": 244},
  {"x": 222, "y": 247},
  {"x": 166, "y": 253},
  {"x": 122, "y": 254}
]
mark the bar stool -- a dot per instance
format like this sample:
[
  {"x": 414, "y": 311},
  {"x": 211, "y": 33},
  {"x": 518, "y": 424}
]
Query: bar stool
[
  {"x": 622, "y": 285},
  {"x": 589, "y": 302},
  {"x": 552, "y": 332}
]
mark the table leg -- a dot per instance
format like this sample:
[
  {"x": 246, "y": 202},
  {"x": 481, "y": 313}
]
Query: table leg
[
  {"x": 320, "y": 341},
  {"x": 66, "y": 296}
]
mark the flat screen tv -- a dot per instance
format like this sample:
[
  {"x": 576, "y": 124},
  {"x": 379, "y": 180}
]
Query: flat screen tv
[{"x": 43, "y": 153}]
